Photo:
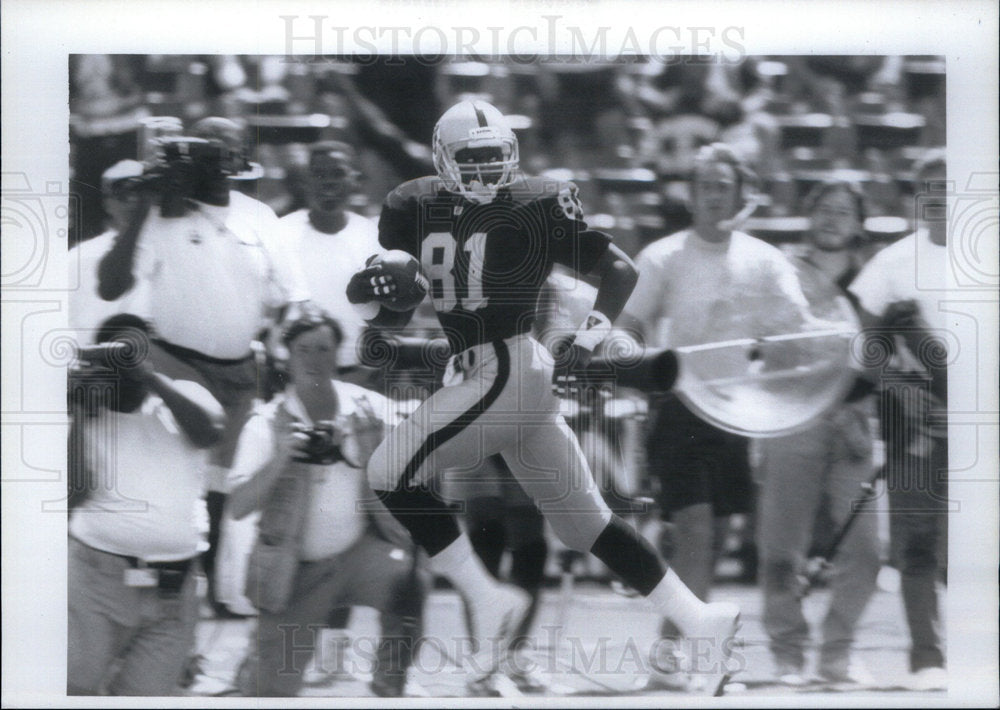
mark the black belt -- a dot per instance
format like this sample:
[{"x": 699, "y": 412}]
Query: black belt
[
  {"x": 136, "y": 563},
  {"x": 178, "y": 566}
]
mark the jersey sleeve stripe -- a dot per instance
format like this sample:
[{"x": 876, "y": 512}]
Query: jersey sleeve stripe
[{"x": 455, "y": 427}]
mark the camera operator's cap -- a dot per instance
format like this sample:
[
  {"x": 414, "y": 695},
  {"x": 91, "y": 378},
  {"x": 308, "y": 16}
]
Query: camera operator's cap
[{"x": 122, "y": 170}]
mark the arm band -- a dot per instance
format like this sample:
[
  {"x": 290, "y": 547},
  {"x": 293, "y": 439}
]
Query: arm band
[{"x": 594, "y": 330}]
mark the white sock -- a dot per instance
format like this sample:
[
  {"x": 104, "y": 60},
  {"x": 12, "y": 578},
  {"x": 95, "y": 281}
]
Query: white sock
[
  {"x": 672, "y": 598},
  {"x": 463, "y": 568}
]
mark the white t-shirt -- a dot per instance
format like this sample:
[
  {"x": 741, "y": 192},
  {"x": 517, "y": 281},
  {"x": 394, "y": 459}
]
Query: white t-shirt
[
  {"x": 87, "y": 310},
  {"x": 913, "y": 268},
  {"x": 691, "y": 291},
  {"x": 327, "y": 263},
  {"x": 334, "y": 520},
  {"x": 149, "y": 479},
  {"x": 208, "y": 278}
]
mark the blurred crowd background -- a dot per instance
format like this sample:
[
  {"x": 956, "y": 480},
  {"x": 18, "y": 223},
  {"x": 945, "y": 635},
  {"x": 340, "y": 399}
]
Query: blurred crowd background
[{"x": 624, "y": 131}]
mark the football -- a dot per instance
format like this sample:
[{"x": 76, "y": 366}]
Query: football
[{"x": 411, "y": 284}]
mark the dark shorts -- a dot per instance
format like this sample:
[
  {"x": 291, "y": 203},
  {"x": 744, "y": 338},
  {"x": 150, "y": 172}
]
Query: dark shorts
[{"x": 696, "y": 462}]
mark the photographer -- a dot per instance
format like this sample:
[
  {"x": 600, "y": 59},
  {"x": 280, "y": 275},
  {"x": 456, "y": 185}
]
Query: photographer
[
  {"x": 206, "y": 277},
  {"x": 133, "y": 543},
  {"x": 323, "y": 541}
]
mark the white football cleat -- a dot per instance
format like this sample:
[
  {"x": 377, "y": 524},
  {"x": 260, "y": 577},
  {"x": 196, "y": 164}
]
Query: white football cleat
[
  {"x": 710, "y": 646},
  {"x": 493, "y": 622},
  {"x": 668, "y": 669}
]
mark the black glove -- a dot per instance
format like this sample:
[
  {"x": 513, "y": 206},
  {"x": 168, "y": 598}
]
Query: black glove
[
  {"x": 570, "y": 372},
  {"x": 371, "y": 284}
]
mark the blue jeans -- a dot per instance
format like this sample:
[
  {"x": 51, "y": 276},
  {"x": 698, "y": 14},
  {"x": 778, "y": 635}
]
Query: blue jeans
[
  {"x": 829, "y": 461},
  {"x": 918, "y": 525}
]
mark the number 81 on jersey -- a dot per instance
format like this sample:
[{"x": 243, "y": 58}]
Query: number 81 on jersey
[{"x": 454, "y": 283}]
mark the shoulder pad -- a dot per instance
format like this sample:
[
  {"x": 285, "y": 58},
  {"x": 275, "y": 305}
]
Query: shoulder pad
[
  {"x": 528, "y": 188},
  {"x": 413, "y": 190}
]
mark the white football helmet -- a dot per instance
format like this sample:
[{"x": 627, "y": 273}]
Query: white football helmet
[{"x": 475, "y": 150}]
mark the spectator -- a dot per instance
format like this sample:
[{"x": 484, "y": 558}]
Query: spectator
[
  {"x": 86, "y": 309},
  {"x": 301, "y": 461},
  {"x": 713, "y": 283},
  {"x": 830, "y": 461},
  {"x": 899, "y": 291},
  {"x": 330, "y": 242},
  {"x": 134, "y": 540},
  {"x": 209, "y": 277}
]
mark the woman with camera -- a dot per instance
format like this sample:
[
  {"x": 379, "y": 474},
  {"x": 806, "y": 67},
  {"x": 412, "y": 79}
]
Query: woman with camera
[{"x": 324, "y": 542}]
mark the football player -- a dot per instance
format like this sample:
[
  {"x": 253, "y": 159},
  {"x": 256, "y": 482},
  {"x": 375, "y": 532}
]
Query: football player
[{"x": 487, "y": 237}]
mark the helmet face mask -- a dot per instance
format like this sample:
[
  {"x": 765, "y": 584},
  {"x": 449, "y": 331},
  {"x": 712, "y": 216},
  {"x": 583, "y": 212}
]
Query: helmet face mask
[{"x": 475, "y": 151}]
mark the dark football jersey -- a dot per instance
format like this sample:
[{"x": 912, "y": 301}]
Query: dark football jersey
[{"x": 487, "y": 262}]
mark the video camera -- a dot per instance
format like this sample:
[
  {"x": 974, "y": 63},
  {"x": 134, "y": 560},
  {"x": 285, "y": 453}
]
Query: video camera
[
  {"x": 174, "y": 163},
  {"x": 94, "y": 376},
  {"x": 175, "y": 169}
]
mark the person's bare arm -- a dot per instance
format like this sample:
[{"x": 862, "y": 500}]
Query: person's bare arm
[
  {"x": 248, "y": 495},
  {"x": 115, "y": 272},
  {"x": 618, "y": 276}
]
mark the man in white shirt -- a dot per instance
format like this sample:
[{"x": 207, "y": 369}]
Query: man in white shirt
[
  {"x": 900, "y": 290},
  {"x": 136, "y": 474},
  {"x": 301, "y": 461},
  {"x": 208, "y": 278},
  {"x": 705, "y": 284},
  {"x": 330, "y": 242}
]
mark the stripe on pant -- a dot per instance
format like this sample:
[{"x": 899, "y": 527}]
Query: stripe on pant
[{"x": 455, "y": 427}]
